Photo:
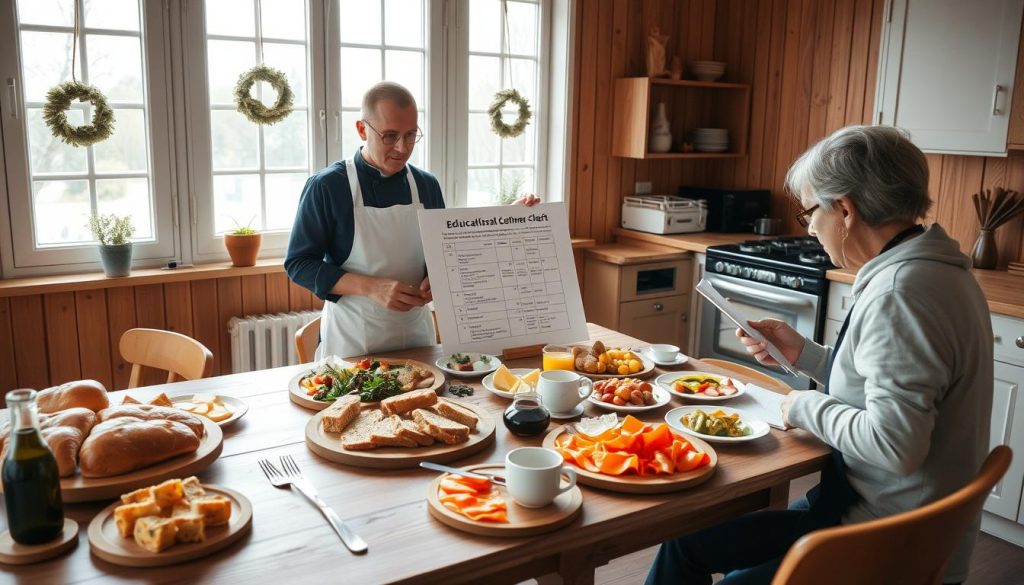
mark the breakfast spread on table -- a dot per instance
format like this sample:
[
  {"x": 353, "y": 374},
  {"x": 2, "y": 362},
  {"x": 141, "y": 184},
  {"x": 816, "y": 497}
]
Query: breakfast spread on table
[
  {"x": 174, "y": 511},
  {"x": 717, "y": 423},
  {"x": 414, "y": 419},
  {"x": 369, "y": 379}
]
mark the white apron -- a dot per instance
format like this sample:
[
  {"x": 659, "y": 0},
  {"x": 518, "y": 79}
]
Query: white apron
[{"x": 386, "y": 244}]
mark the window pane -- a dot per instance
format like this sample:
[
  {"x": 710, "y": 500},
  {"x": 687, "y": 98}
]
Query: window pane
[
  {"x": 283, "y": 192},
  {"x": 115, "y": 14},
  {"x": 403, "y": 25},
  {"x": 483, "y": 187},
  {"x": 54, "y": 12},
  {"x": 283, "y": 19},
  {"x": 416, "y": 159},
  {"x": 47, "y": 64},
  {"x": 350, "y": 141},
  {"x": 126, "y": 149},
  {"x": 483, "y": 142},
  {"x": 230, "y": 17},
  {"x": 522, "y": 27},
  {"x": 406, "y": 68},
  {"x": 360, "y": 68},
  {"x": 61, "y": 210},
  {"x": 485, "y": 26},
  {"x": 484, "y": 76},
  {"x": 115, "y": 67},
  {"x": 236, "y": 202},
  {"x": 524, "y": 75},
  {"x": 287, "y": 143},
  {"x": 515, "y": 183},
  {"x": 360, "y": 22},
  {"x": 127, "y": 197},
  {"x": 235, "y": 141},
  {"x": 291, "y": 59},
  {"x": 227, "y": 61},
  {"x": 48, "y": 153}
]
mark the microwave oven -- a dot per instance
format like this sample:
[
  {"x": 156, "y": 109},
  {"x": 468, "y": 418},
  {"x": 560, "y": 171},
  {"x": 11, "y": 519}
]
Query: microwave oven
[{"x": 729, "y": 210}]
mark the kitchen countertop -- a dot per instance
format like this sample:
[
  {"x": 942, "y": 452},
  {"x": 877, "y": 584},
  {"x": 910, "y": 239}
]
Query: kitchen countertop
[{"x": 1004, "y": 291}]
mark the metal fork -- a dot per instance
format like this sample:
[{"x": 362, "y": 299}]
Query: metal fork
[{"x": 293, "y": 477}]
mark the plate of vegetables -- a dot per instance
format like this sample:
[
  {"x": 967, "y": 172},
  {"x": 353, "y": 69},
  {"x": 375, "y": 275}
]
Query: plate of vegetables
[
  {"x": 700, "y": 386},
  {"x": 716, "y": 425},
  {"x": 374, "y": 379},
  {"x": 468, "y": 365}
]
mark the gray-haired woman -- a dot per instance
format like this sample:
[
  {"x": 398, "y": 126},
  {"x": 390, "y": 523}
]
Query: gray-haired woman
[{"x": 907, "y": 388}]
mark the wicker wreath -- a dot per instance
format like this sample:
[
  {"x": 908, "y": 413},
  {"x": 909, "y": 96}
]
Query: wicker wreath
[
  {"x": 498, "y": 125},
  {"x": 252, "y": 108},
  {"x": 59, "y": 99}
]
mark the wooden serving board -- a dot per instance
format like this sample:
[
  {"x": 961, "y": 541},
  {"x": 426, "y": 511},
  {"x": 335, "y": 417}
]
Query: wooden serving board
[
  {"x": 106, "y": 542},
  {"x": 297, "y": 393},
  {"x": 522, "y": 521},
  {"x": 12, "y": 553},
  {"x": 648, "y": 484},
  {"x": 328, "y": 445}
]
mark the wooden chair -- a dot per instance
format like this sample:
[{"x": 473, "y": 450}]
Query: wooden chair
[
  {"x": 910, "y": 548},
  {"x": 181, "y": 356},
  {"x": 760, "y": 378},
  {"x": 307, "y": 339}
]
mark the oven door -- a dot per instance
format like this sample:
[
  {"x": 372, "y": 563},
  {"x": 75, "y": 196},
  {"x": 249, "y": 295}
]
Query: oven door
[{"x": 758, "y": 301}]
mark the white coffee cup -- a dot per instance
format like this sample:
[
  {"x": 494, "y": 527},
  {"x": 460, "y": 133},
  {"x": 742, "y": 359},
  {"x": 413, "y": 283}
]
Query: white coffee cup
[
  {"x": 533, "y": 476},
  {"x": 664, "y": 352},
  {"x": 561, "y": 391}
]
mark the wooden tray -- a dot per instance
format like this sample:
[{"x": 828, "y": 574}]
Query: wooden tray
[
  {"x": 328, "y": 445},
  {"x": 106, "y": 543},
  {"x": 12, "y": 553},
  {"x": 521, "y": 521},
  {"x": 648, "y": 484},
  {"x": 298, "y": 395}
]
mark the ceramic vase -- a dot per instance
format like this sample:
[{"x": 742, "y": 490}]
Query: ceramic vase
[
  {"x": 660, "y": 139},
  {"x": 984, "y": 254},
  {"x": 116, "y": 260}
]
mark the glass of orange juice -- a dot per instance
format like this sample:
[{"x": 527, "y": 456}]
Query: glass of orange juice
[{"x": 558, "y": 357}]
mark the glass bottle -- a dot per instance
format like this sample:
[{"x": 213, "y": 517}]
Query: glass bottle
[
  {"x": 526, "y": 416},
  {"x": 35, "y": 513}
]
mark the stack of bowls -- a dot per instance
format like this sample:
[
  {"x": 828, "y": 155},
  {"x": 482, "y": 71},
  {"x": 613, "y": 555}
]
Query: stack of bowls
[
  {"x": 708, "y": 70},
  {"x": 710, "y": 139}
]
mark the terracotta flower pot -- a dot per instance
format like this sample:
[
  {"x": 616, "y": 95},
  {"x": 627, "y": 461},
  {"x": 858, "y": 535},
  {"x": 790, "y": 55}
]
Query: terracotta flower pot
[{"x": 243, "y": 249}]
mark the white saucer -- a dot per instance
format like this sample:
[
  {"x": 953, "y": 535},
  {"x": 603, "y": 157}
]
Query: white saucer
[
  {"x": 567, "y": 415},
  {"x": 680, "y": 359}
]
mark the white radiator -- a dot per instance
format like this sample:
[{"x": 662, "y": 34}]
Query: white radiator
[{"x": 259, "y": 342}]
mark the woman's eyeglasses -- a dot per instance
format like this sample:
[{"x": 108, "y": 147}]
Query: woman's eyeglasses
[
  {"x": 391, "y": 138},
  {"x": 804, "y": 217}
]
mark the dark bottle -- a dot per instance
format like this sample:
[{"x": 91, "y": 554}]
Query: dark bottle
[
  {"x": 35, "y": 513},
  {"x": 526, "y": 416}
]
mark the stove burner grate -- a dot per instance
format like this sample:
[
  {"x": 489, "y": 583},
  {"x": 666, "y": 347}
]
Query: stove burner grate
[
  {"x": 753, "y": 247},
  {"x": 814, "y": 257}
]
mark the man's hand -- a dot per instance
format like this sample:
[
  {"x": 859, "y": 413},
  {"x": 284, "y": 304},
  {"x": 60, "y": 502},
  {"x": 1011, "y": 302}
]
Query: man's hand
[
  {"x": 528, "y": 200},
  {"x": 425, "y": 293}
]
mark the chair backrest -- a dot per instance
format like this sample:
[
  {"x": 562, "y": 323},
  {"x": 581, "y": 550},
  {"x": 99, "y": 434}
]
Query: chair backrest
[
  {"x": 180, "y": 355},
  {"x": 760, "y": 378},
  {"x": 307, "y": 339},
  {"x": 910, "y": 548}
]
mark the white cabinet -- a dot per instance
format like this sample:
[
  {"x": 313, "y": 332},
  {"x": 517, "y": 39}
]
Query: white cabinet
[
  {"x": 1008, "y": 425},
  {"x": 840, "y": 301},
  {"x": 946, "y": 72}
]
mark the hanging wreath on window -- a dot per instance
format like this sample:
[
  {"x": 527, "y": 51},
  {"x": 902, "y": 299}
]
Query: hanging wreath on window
[
  {"x": 59, "y": 99},
  {"x": 498, "y": 124},
  {"x": 254, "y": 109}
]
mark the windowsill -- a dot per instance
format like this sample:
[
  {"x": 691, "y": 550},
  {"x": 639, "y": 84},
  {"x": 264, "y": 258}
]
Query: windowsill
[{"x": 15, "y": 287}]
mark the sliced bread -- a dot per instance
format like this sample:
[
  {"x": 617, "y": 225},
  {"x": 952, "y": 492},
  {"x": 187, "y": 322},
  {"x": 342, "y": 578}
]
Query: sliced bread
[
  {"x": 417, "y": 435},
  {"x": 408, "y": 402},
  {"x": 389, "y": 432},
  {"x": 444, "y": 430},
  {"x": 357, "y": 436},
  {"x": 338, "y": 415},
  {"x": 457, "y": 413}
]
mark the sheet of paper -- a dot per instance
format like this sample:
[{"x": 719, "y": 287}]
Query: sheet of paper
[
  {"x": 760, "y": 403},
  {"x": 736, "y": 315},
  {"x": 502, "y": 277}
]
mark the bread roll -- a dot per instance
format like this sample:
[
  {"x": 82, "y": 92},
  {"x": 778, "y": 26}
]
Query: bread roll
[
  {"x": 152, "y": 412},
  {"x": 126, "y": 443},
  {"x": 64, "y": 432},
  {"x": 85, "y": 393}
]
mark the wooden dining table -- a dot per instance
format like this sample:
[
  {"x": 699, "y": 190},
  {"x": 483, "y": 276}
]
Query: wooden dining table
[{"x": 290, "y": 542}]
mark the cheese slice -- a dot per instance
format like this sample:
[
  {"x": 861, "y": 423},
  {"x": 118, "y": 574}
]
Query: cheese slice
[
  {"x": 505, "y": 380},
  {"x": 532, "y": 378}
]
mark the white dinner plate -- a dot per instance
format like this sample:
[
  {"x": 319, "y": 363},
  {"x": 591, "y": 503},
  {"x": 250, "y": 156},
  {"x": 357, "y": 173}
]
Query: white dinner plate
[
  {"x": 480, "y": 368},
  {"x": 488, "y": 382},
  {"x": 661, "y": 398},
  {"x": 238, "y": 406},
  {"x": 665, "y": 381},
  {"x": 678, "y": 361},
  {"x": 674, "y": 419}
]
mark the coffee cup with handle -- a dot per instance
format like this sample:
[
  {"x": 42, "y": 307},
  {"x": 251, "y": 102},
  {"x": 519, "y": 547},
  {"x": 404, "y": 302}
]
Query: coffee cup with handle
[
  {"x": 562, "y": 391},
  {"x": 533, "y": 476}
]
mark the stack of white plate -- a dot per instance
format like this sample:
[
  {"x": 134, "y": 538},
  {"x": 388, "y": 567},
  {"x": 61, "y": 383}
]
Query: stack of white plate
[
  {"x": 707, "y": 70},
  {"x": 710, "y": 139}
]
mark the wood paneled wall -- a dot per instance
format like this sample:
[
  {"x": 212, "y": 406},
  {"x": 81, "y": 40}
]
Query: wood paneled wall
[
  {"x": 812, "y": 66},
  {"x": 48, "y": 339}
]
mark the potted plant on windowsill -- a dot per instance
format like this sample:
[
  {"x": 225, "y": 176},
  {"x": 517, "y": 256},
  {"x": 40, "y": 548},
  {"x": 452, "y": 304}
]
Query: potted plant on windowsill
[
  {"x": 114, "y": 234},
  {"x": 243, "y": 244}
]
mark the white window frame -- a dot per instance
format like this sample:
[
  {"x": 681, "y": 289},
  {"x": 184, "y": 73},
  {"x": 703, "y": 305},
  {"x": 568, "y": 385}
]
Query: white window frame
[{"x": 19, "y": 253}]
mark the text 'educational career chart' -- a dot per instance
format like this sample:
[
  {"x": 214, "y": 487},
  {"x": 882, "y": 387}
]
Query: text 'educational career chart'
[{"x": 502, "y": 277}]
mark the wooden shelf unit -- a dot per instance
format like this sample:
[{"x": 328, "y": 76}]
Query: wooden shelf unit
[{"x": 688, "y": 104}]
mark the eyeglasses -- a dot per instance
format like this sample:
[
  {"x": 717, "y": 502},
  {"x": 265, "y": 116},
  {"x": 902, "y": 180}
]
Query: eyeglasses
[
  {"x": 804, "y": 217},
  {"x": 391, "y": 138}
]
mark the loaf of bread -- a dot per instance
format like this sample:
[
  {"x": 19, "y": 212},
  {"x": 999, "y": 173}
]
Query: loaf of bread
[
  {"x": 152, "y": 412},
  {"x": 64, "y": 432},
  {"x": 408, "y": 402},
  {"x": 85, "y": 393},
  {"x": 122, "y": 444}
]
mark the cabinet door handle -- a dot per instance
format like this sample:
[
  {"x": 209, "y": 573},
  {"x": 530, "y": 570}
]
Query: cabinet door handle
[
  {"x": 1020, "y": 342},
  {"x": 995, "y": 102},
  {"x": 658, "y": 306}
]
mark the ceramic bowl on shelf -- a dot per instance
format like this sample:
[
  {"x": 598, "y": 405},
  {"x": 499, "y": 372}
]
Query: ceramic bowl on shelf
[{"x": 707, "y": 70}]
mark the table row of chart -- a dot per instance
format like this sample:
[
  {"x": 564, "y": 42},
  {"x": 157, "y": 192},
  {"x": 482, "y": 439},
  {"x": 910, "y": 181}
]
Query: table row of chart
[
  {"x": 502, "y": 274},
  {"x": 496, "y": 325}
]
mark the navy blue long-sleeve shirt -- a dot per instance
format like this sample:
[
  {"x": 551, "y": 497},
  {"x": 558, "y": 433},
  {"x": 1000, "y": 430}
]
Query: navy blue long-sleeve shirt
[{"x": 321, "y": 237}]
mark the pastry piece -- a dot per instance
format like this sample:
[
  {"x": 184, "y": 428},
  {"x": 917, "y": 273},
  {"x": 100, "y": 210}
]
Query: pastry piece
[
  {"x": 162, "y": 400},
  {"x": 154, "y": 533},
  {"x": 215, "y": 510},
  {"x": 338, "y": 415},
  {"x": 168, "y": 493},
  {"x": 417, "y": 435},
  {"x": 357, "y": 435},
  {"x": 129, "y": 400},
  {"x": 123, "y": 444},
  {"x": 190, "y": 527},
  {"x": 457, "y": 413},
  {"x": 411, "y": 378},
  {"x": 125, "y": 516},
  {"x": 444, "y": 430},
  {"x": 408, "y": 402},
  {"x": 152, "y": 412},
  {"x": 193, "y": 489},
  {"x": 389, "y": 432},
  {"x": 84, "y": 393},
  {"x": 140, "y": 495}
]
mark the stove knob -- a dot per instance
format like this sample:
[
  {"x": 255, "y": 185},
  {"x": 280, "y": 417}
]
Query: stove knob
[
  {"x": 734, "y": 270},
  {"x": 766, "y": 276},
  {"x": 796, "y": 282},
  {"x": 748, "y": 272},
  {"x": 719, "y": 266}
]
